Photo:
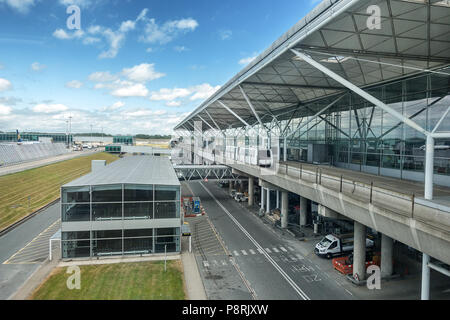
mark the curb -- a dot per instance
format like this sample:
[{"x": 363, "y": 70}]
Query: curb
[{"x": 26, "y": 218}]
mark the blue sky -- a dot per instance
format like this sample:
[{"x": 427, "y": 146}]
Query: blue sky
[{"x": 134, "y": 66}]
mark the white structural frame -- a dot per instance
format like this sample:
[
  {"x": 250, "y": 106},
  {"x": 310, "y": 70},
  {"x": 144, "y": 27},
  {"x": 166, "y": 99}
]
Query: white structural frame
[{"x": 429, "y": 151}]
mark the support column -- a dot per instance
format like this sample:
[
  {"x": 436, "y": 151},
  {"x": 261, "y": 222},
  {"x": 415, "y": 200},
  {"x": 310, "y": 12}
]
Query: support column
[
  {"x": 230, "y": 186},
  {"x": 278, "y": 199},
  {"x": 425, "y": 292},
  {"x": 303, "y": 210},
  {"x": 263, "y": 193},
  {"x": 284, "y": 209},
  {"x": 387, "y": 245},
  {"x": 268, "y": 201},
  {"x": 359, "y": 251},
  {"x": 251, "y": 192}
]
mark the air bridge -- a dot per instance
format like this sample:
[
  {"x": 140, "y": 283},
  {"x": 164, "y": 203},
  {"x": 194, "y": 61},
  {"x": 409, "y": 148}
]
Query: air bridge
[{"x": 206, "y": 172}]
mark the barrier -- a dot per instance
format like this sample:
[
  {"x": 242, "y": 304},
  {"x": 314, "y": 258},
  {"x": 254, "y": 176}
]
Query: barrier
[{"x": 15, "y": 153}]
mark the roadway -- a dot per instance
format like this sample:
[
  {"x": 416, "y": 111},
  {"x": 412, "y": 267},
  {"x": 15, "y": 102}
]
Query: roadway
[
  {"x": 272, "y": 266},
  {"x": 24, "y": 248}
]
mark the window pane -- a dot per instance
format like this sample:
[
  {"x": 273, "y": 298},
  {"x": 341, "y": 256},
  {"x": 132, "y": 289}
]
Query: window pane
[
  {"x": 70, "y": 195},
  {"x": 166, "y": 193},
  {"x": 138, "y": 246},
  {"x": 166, "y": 210},
  {"x": 138, "y": 193},
  {"x": 107, "y": 247},
  {"x": 75, "y": 249},
  {"x": 75, "y": 212},
  {"x": 106, "y": 211},
  {"x": 142, "y": 210},
  {"x": 76, "y": 235},
  {"x": 138, "y": 233},
  {"x": 107, "y": 193}
]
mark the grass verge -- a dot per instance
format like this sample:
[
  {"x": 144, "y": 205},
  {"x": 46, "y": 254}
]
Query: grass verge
[
  {"x": 119, "y": 281},
  {"x": 23, "y": 192}
]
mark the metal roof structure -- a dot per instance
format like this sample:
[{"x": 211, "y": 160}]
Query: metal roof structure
[
  {"x": 414, "y": 36},
  {"x": 131, "y": 170}
]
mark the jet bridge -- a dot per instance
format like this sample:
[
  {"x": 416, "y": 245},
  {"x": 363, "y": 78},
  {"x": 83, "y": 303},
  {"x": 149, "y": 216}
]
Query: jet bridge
[{"x": 206, "y": 172}]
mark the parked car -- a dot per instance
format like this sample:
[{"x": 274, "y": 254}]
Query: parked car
[
  {"x": 332, "y": 245},
  {"x": 240, "y": 197}
]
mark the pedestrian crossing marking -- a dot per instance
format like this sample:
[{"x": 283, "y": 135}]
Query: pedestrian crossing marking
[
  {"x": 275, "y": 250},
  {"x": 268, "y": 250},
  {"x": 252, "y": 251},
  {"x": 283, "y": 249},
  {"x": 236, "y": 254},
  {"x": 244, "y": 252}
]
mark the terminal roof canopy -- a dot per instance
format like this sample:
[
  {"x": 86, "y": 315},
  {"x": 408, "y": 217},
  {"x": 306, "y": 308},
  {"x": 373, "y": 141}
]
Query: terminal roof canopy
[
  {"x": 414, "y": 36},
  {"x": 131, "y": 170}
]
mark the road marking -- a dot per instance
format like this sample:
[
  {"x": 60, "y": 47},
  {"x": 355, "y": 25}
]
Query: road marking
[
  {"x": 224, "y": 263},
  {"x": 236, "y": 254},
  {"x": 268, "y": 250},
  {"x": 290, "y": 248},
  {"x": 291, "y": 282},
  {"x": 283, "y": 249},
  {"x": 348, "y": 292},
  {"x": 244, "y": 252},
  {"x": 293, "y": 258},
  {"x": 299, "y": 256},
  {"x": 206, "y": 264},
  {"x": 260, "y": 250},
  {"x": 215, "y": 262},
  {"x": 275, "y": 250},
  {"x": 252, "y": 251}
]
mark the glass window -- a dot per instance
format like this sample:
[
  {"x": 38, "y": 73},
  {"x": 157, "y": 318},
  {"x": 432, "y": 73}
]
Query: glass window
[
  {"x": 105, "y": 234},
  {"x": 106, "y": 211},
  {"x": 138, "y": 233},
  {"x": 140, "y": 210},
  {"x": 107, "y": 247},
  {"x": 112, "y": 193},
  {"x": 138, "y": 245},
  {"x": 77, "y": 194},
  {"x": 75, "y": 249},
  {"x": 138, "y": 193},
  {"x": 166, "y": 193},
  {"x": 166, "y": 210},
  {"x": 76, "y": 212},
  {"x": 416, "y": 88},
  {"x": 75, "y": 235}
]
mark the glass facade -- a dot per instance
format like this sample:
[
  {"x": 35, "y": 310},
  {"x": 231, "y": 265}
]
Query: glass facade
[
  {"x": 121, "y": 202},
  {"x": 96, "y": 243},
  {"x": 363, "y": 137},
  {"x": 129, "y": 140}
]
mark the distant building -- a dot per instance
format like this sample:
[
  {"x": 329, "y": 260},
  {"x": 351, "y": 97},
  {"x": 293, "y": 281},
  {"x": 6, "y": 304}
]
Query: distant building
[
  {"x": 129, "y": 207},
  {"x": 30, "y": 136},
  {"x": 128, "y": 140}
]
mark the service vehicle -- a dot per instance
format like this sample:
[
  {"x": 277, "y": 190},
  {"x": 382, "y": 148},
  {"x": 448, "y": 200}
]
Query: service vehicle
[{"x": 333, "y": 245}]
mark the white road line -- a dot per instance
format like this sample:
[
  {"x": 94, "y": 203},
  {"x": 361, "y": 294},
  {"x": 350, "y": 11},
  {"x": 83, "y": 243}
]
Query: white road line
[
  {"x": 244, "y": 252},
  {"x": 283, "y": 249},
  {"x": 215, "y": 262},
  {"x": 348, "y": 292},
  {"x": 260, "y": 250},
  {"x": 291, "y": 282},
  {"x": 268, "y": 250},
  {"x": 299, "y": 256},
  {"x": 224, "y": 263},
  {"x": 275, "y": 250},
  {"x": 293, "y": 258},
  {"x": 235, "y": 253},
  {"x": 290, "y": 248},
  {"x": 206, "y": 264},
  {"x": 252, "y": 251}
]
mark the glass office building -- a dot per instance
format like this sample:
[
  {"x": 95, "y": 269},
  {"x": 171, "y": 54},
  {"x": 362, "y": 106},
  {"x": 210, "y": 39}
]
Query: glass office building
[
  {"x": 130, "y": 207},
  {"x": 30, "y": 136},
  {"x": 128, "y": 140}
]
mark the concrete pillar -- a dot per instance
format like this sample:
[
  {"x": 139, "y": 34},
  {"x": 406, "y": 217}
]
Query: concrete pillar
[
  {"x": 230, "y": 186},
  {"x": 251, "y": 192},
  {"x": 263, "y": 197},
  {"x": 359, "y": 251},
  {"x": 303, "y": 210},
  {"x": 268, "y": 201},
  {"x": 425, "y": 292},
  {"x": 284, "y": 209},
  {"x": 387, "y": 245},
  {"x": 278, "y": 199}
]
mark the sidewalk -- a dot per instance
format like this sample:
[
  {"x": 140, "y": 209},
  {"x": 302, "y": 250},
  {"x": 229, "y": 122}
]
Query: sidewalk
[{"x": 194, "y": 284}]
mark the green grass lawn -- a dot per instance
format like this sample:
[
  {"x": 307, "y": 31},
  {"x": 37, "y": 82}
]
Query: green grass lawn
[
  {"x": 119, "y": 281},
  {"x": 41, "y": 184}
]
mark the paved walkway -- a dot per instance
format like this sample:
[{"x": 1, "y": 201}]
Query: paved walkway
[{"x": 194, "y": 285}]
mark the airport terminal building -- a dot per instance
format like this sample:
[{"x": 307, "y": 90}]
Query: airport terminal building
[{"x": 129, "y": 207}]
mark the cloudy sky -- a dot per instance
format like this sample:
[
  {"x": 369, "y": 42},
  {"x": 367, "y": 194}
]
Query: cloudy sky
[{"x": 133, "y": 66}]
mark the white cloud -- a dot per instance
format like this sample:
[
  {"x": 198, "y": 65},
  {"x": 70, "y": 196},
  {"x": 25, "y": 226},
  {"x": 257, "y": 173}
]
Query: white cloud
[
  {"x": 63, "y": 35},
  {"x": 80, "y": 3},
  {"x": 142, "y": 73},
  {"x": 173, "y": 104},
  {"x": 246, "y": 61},
  {"x": 102, "y": 76},
  {"x": 91, "y": 40},
  {"x": 74, "y": 84},
  {"x": 225, "y": 34},
  {"x": 165, "y": 33},
  {"x": 180, "y": 48},
  {"x": 5, "y": 85},
  {"x": 22, "y": 6},
  {"x": 127, "y": 26},
  {"x": 169, "y": 94},
  {"x": 115, "y": 106},
  {"x": 49, "y": 108},
  {"x": 203, "y": 91},
  {"x": 130, "y": 89},
  {"x": 5, "y": 110},
  {"x": 36, "y": 66},
  {"x": 142, "y": 113}
]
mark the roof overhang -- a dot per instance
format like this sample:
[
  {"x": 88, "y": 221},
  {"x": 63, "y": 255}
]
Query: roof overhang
[{"x": 414, "y": 37}]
